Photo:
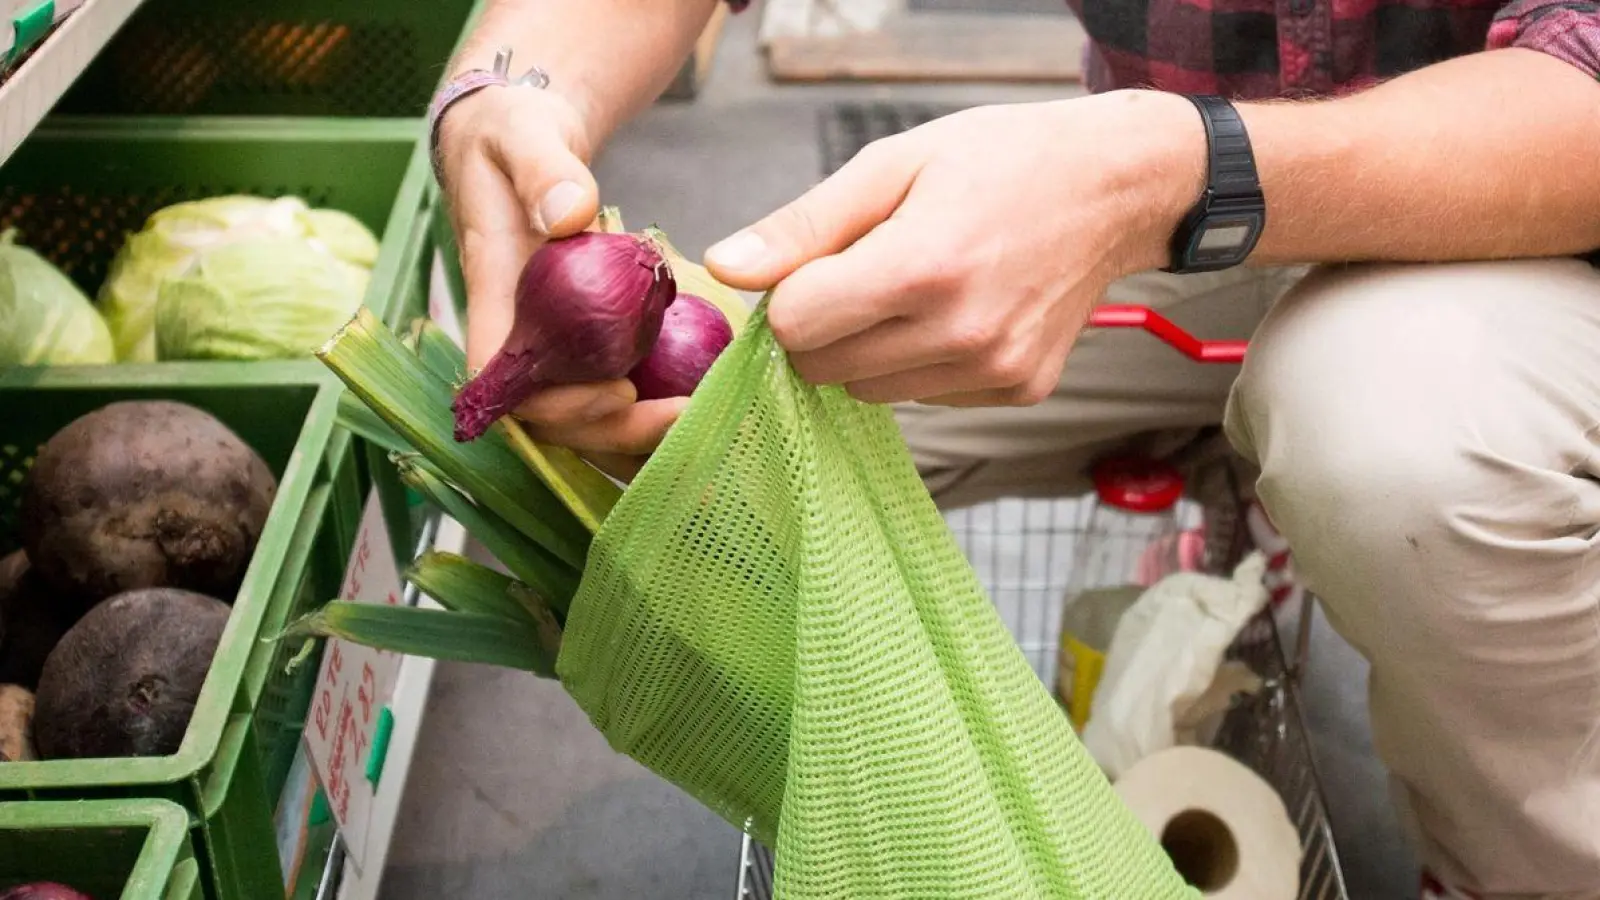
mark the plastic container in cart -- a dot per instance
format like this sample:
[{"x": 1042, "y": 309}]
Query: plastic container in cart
[
  {"x": 127, "y": 849},
  {"x": 1132, "y": 538}
]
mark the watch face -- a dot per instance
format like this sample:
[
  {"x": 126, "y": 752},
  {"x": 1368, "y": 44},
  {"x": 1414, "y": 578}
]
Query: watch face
[{"x": 1224, "y": 239}]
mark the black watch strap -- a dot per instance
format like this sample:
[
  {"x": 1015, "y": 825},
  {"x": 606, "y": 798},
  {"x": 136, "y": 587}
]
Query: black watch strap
[
  {"x": 1232, "y": 203},
  {"x": 1232, "y": 164}
]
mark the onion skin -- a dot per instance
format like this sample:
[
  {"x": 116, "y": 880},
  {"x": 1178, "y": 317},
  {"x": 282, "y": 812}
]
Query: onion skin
[
  {"x": 693, "y": 333},
  {"x": 588, "y": 308}
]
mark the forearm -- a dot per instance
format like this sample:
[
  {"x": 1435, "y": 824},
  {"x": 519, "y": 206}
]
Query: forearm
[
  {"x": 1486, "y": 156},
  {"x": 1491, "y": 155},
  {"x": 609, "y": 58}
]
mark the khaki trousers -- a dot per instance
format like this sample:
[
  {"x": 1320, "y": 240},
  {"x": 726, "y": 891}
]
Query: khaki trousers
[{"x": 1427, "y": 438}]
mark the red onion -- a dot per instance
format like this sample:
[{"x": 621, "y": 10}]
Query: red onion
[
  {"x": 693, "y": 333},
  {"x": 43, "y": 890},
  {"x": 589, "y": 308}
]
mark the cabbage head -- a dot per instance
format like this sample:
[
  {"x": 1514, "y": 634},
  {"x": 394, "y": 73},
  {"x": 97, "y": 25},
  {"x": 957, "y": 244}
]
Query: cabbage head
[
  {"x": 45, "y": 320},
  {"x": 266, "y": 298},
  {"x": 174, "y": 237}
]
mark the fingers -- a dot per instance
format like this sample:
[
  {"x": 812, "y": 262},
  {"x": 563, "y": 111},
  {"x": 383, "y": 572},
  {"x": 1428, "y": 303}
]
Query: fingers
[
  {"x": 619, "y": 466},
  {"x": 513, "y": 180},
  {"x": 1023, "y": 369},
  {"x": 897, "y": 345},
  {"x": 569, "y": 405},
  {"x": 1036, "y": 388},
  {"x": 634, "y": 431},
  {"x": 556, "y": 190},
  {"x": 882, "y": 276},
  {"x": 494, "y": 242},
  {"x": 825, "y": 220},
  {"x": 949, "y": 384}
]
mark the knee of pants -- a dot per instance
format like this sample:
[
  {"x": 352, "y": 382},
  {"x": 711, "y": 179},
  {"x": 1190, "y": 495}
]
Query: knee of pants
[{"x": 1401, "y": 419}]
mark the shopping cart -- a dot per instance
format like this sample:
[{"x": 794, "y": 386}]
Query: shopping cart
[{"x": 1022, "y": 549}]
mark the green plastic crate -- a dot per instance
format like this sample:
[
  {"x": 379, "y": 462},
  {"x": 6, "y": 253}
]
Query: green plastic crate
[
  {"x": 76, "y": 188},
  {"x": 127, "y": 849},
  {"x": 245, "y": 717},
  {"x": 351, "y": 58},
  {"x": 355, "y": 467},
  {"x": 252, "y": 712}
]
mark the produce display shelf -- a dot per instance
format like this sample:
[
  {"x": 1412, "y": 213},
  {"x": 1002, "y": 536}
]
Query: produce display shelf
[
  {"x": 249, "y": 720},
  {"x": 217, "y": 774},
  {"x": 131, "y": 849},
  {"x": 31, "y": 89},
  {"x": 80, "y": 185}
]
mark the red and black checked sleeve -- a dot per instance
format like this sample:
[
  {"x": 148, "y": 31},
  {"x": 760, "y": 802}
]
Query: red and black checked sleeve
[{"x": 1566, "y": 29}]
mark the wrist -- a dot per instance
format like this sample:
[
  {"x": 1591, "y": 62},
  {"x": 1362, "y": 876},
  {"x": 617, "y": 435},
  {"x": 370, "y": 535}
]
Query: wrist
[
  {"x": 474, "y": 105},
  {"x": 1162, "y": 139},
  {"x": 562, "y": 100}
]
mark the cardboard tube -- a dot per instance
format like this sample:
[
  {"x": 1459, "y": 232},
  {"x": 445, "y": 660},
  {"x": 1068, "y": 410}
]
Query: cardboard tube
[{"x": 1224, "y": 828}]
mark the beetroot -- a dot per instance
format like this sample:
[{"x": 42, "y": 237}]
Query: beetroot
[
  {"x": 124, "y": 680},
  {"x": 147, "y": 493}
]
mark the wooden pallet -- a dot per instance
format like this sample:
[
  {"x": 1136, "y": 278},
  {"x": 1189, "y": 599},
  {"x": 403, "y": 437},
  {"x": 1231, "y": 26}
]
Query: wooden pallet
[{"x": 880, "y": 40}]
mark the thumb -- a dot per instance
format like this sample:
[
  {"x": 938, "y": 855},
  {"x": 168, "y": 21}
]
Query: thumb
[
  {"x": 825, "y": 220},
  {"x": 556, "y": 190}
]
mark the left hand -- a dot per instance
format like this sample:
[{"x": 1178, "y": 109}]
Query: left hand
[{"x": 955, "y": 263}]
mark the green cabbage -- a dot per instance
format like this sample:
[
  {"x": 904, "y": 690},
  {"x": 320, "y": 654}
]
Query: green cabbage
[
  {"x": 173, "y": 239},
  {"x": 267, "y": 298},
  {"x": 44, "y": 318}
]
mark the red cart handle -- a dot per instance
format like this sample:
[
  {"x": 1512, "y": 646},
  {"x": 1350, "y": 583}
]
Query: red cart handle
[{"x": 1120, "y": 316}]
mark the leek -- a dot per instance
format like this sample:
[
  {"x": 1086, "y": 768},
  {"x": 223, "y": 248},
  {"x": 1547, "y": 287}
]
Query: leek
[{"x": 434, "y": 633}]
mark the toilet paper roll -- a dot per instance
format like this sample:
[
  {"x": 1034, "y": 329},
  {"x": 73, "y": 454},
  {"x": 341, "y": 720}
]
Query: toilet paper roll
[{"x": 1225, "y": 829}]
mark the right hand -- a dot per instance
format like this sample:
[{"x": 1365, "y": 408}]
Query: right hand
[{"x": 515, "y": 172}]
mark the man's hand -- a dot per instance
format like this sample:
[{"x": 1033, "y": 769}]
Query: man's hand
[
  {"x": 515, "y": 166},
  {"x": 956, "y": 263}
]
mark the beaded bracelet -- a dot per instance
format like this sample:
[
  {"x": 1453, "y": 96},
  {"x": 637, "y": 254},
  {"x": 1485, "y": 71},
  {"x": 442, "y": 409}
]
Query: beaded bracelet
[{"x": 470, "y": 82}]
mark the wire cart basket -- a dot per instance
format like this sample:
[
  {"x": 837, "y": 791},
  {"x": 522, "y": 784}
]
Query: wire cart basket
[{"x": 1022, "y": 550}]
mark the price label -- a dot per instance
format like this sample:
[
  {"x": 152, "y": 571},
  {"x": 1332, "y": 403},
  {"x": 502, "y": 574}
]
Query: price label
[{"x": 353, "y": 687}]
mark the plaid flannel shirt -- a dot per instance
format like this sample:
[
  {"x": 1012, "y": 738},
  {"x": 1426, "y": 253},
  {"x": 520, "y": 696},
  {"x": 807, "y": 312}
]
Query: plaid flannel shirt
[{"x": 1253, "y": 49}]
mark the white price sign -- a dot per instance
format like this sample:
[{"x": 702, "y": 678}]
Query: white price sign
[{"x": 354, "y": 688}]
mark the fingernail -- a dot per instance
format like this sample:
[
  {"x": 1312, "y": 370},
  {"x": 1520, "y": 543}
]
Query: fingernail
[
  {"x": 603, "y": 405},
  {"x": 558, "y": 202},
  {"x": 742, "y": 251}
]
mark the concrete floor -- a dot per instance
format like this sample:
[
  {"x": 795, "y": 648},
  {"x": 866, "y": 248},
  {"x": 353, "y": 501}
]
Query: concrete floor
[{"x": 513, "y": 793}]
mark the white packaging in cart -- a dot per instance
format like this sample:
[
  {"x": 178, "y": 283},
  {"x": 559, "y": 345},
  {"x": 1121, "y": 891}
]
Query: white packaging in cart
[{"x": 1164, "y": 675}]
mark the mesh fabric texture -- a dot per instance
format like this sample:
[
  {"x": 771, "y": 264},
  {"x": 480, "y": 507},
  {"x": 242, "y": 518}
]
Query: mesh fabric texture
[{"x": 776, "y": 618}]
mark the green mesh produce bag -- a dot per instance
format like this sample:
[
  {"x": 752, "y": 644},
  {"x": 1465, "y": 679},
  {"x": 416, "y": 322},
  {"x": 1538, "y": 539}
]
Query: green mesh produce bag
[{"x": 776, "y": 618}]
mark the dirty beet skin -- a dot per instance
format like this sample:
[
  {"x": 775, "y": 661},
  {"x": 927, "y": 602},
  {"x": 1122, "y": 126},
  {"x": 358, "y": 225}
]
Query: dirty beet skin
[
  {"x": 143, "y": 494},
  {"x": 124, "y": 680}
]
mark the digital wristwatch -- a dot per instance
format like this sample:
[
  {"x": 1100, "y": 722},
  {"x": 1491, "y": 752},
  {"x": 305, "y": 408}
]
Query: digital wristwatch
[{"x": 1222, "y": 228}]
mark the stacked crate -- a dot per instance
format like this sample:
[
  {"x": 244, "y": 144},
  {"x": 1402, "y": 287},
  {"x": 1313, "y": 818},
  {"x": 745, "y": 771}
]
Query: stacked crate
[{"x": 186, "y": 99}]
